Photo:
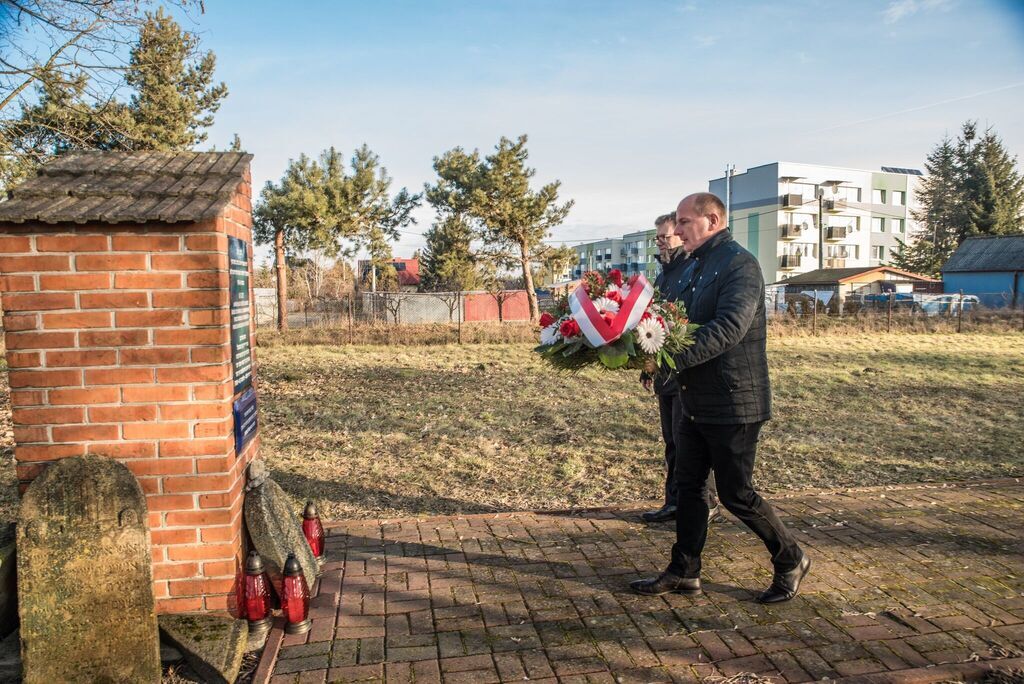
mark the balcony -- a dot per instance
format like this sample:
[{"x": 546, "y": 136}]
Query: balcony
[
  {"x": 836, "y": 233},
  {"x": 790, "y": 231},
  {"x": 833, "y": 206},
  {"x": 789, "y": 261},
  {"x": 835, "y": 263},
  {"x": 791, "y": 200}
]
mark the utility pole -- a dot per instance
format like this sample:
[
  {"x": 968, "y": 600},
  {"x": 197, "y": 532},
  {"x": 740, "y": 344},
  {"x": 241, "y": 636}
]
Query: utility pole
[
  {"x": 821, "y": 229},
  {"x": 729, "y": 168}
]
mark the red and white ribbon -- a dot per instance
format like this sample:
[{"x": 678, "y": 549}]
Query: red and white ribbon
[{"x": 598, "y": 331}]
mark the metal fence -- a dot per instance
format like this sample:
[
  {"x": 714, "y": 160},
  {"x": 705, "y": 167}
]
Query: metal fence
[
  {"x": 394, "y": 308},
  {"x": 828, "y": 306}
]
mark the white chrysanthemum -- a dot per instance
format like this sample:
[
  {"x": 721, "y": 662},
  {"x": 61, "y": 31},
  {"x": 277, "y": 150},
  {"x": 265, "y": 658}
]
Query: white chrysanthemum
[
  {"x": 605, "y": 304},
  {"x": 550, "y": 334},
  {"x": 651, "y": 335},
  {"x": 624, "y": 291}
]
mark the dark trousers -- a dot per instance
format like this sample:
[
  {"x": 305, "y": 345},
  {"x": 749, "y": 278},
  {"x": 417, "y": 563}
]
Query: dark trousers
[
  {"x": 728, "y": 451},
  {"x": 670, "y": 409}
]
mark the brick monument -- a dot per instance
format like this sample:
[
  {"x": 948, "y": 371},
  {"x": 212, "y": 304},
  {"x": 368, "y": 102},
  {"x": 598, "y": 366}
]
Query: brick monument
[{"x": 125, "y": 291}]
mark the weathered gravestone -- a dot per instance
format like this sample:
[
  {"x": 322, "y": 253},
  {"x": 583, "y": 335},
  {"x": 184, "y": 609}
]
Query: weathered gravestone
[
  {"x": 274, "y": 527},
  {"x": 85, "y": 592}
]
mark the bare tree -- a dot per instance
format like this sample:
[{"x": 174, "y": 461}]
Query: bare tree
[{"x": 75, "y": 52}]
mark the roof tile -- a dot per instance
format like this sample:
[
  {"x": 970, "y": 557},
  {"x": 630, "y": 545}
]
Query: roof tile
[{"x": 114, "y": 187}]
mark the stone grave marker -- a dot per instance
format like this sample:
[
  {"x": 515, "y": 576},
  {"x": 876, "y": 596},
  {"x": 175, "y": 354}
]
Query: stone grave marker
[
  {"x": 85, "y": 593},
  {"x": 274, "y": 528}
]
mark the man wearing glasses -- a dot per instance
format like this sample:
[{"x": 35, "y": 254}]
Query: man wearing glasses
[{"x": 674, "y": 262}]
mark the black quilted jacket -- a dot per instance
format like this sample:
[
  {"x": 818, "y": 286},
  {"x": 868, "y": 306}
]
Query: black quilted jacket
[{"x": 723, "y": 377}]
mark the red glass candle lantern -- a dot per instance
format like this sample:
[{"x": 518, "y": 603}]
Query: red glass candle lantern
[
  {"x": 256, "y": 596},
  {"x": 313, "y": 530},
  {"x": 295, "y": 598}
]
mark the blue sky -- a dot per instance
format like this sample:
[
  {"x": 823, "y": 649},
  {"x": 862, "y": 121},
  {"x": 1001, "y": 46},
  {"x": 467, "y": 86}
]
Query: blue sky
[{"x": 630, "y": 104}]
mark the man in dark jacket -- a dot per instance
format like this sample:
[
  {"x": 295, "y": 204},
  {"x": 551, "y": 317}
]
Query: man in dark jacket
[
  {"x": 725, "y": 398},
  {"x": 673, "y": 261}
]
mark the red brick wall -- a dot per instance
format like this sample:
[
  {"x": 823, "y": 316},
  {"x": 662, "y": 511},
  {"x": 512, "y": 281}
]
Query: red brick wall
[
  {"x": 484, "y": 307},
  {"x": 118, "y": 344}
]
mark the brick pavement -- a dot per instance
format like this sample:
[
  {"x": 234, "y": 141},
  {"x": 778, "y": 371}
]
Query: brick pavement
[{"x": 910, "y": 583}]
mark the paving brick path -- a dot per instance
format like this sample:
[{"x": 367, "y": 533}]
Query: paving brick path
[{"x": 913, "y": 583}]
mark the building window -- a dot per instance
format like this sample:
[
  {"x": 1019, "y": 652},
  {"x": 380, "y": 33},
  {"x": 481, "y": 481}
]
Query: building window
[
  {"x": 897, "y": 225},
  {"x": 849, "y": 194},
  {"x": 878, "y": 196},
  {"x": 878, "y": 252},
  {"x": 877, "y": 224},
  {"x": 899, "y": 197}
]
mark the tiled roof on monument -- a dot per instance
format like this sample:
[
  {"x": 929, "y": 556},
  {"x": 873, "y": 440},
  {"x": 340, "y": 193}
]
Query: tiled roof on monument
[{"x": 134, "y": 187}]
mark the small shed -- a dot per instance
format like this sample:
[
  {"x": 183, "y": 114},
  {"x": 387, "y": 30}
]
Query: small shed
[
  {"x": 838, "y": 287},
  {"x": 990, "y": 267}
]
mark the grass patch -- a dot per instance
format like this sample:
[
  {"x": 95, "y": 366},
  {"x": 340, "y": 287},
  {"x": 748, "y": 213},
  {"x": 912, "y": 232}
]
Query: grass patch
[
  {"x": 406, "y": 430},
  {"x": 371, "y": 431}
]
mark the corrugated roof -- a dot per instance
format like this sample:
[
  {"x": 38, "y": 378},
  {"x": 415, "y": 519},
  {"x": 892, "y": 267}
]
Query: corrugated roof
[
  {"x": 832, "y": 276},
  {"x": 135, "y": 187},
  {"x": 988, "y": 253}
]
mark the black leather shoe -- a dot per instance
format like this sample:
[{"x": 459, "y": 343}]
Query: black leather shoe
[
  {"x": 666, "y": 512},
  {"x": 666, "y": 583},
  {"x": 715, "y": 514},
  {"x": 785, "y": 585}
]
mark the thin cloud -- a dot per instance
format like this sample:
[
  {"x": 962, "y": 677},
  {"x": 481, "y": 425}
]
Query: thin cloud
[
  {"x": 901, "y": 9},
  {"x": 707, "y": 41},
  {"x": 919, "y": 108}
]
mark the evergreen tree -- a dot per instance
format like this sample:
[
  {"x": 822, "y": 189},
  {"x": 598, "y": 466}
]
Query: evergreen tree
[
  {"x": 369, "y": 214},
  {"x": 74, "y": 107},
  {"x": 939, "y": 215},
  {"x": 447, "y": 262},
  {"x": 510, "y": 218},
  {"x": 174, "y": 96},
  {"x": 972, "y": 188},
  {"x": 300, "y": 213},
  {"x": 1002, "y": 190}
]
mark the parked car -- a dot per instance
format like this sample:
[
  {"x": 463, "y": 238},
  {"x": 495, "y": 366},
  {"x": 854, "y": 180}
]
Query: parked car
[{"x": 947, "y": 304}]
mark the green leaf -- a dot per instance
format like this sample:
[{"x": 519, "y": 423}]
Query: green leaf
[
  {"x": 572, "y": 348},
  {"x": 613, "y": 355},
  {"x": 627, "y": 339},
  {"x": 667, "y": 359}
]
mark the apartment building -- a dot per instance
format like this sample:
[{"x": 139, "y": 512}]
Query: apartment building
[
  {"x": 774, "y": 214},
  {"x": 601, "y": 255},
  {"x": 632, "y": 253}
]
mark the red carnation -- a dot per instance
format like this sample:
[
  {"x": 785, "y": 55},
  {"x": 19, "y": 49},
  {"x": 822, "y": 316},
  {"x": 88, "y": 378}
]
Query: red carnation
[
  {"x": 569, "y": 328},
  {"x": 608, "y": 317},
  {"x": 615, "y": 275},
  {"x": 615, "y": 296},
  {"x": 546, "y": 319}
]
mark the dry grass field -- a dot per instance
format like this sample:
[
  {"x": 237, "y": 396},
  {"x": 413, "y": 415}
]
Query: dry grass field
[{"x": 404, "y": 430}]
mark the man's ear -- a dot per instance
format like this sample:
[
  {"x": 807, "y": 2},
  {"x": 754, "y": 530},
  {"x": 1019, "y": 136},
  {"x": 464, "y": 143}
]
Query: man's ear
[{"x": 714, "y": 222}]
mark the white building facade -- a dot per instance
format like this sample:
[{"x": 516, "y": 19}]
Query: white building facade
[{"x": 774, "y": 208}]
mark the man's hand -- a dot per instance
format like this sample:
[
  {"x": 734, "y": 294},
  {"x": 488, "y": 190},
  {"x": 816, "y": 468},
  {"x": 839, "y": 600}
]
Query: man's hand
[
  {"x": 650, "y": 367},
  {"x": 646, "y": 381}
]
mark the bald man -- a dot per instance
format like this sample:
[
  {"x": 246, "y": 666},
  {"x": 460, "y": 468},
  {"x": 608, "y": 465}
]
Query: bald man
[{"x": 726, "y": 399}]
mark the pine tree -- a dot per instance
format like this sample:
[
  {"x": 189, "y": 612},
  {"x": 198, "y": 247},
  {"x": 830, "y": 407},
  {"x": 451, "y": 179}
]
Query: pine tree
[
  {"x": 369, "y": 214},
  {"x": 1003, "y": 189},
  {"x": 175, "y": 98},
  {"x": 938, "y": 217},
  {"x": 510, "y": 218},
  {"x": 447, "y": 262},
  {"x": 972, "y": 188}
]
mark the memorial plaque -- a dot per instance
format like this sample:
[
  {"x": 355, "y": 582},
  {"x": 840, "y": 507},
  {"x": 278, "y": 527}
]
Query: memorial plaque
[
  {"x": 241, "y": 354},
  {"x": 244, "y": 411},
  {"x": 85, "y": 593}
]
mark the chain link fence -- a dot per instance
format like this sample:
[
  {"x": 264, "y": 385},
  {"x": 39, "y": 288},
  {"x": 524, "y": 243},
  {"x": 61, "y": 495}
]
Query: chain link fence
[{"x": 825, "y": 308}]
